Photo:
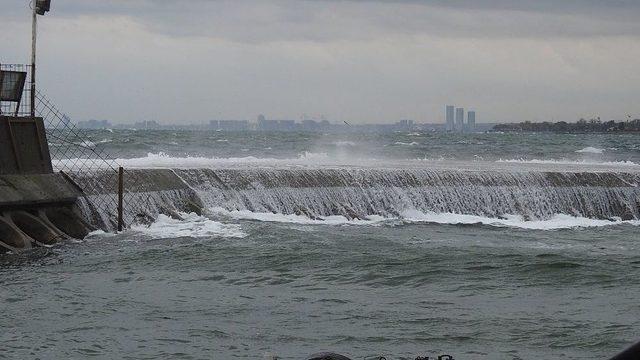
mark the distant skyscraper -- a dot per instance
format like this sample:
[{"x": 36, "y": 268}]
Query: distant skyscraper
[
  {"x": 471, "y": 121},
  {"x": 460, "y": 119},
  {"x": 450, "y": 123}
]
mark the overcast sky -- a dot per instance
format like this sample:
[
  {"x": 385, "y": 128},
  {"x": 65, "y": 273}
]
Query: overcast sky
[{"x": 190, "y": 61}]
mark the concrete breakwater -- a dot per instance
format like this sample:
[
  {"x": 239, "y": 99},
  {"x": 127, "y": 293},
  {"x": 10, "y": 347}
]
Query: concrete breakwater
[
  {"x": 38, "y": 210},
  {"x": 313, "y": 192},
  {"x": 360, "y": 192}
]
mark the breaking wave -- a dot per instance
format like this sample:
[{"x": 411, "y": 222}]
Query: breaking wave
[
  {"x": 499, "y": 196},
  {"x": 294, "y": 218},
  {"x": 568, "y": 162},
  {"x": 413, "y": 143},
  {"x": 163, "y": 160},
  {"x": 191, "y": 225},
  {"x": 344, "y": 143},
  {"x": 556, "y": 222},
  {"x": 590, "y": 150}
]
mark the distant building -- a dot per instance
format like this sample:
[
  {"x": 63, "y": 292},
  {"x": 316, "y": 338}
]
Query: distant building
[
  {"x": 460, "y": 119},
  {"x": 276, "y": 125},
  {"x": 287, "y": 125},
  {"x": 94, "y": 124},
  {"x": 449, "y": 114},
  {"x": 147, "y": 124},
  {"x": 229, "y": 125},
  {"x": 405, "y": 124},
  {"x": 309, "y": 125},
  {"x": 264, "y": 124},
  {"x": 471, "y": 121}
]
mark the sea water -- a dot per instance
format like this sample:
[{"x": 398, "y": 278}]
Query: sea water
[{"x": 241, "y": 283}]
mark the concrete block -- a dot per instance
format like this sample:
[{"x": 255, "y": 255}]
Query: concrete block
[{"x": 30, "y": 191}]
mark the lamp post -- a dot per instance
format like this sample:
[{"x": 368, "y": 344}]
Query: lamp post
[{"x": 40, "y": 7}]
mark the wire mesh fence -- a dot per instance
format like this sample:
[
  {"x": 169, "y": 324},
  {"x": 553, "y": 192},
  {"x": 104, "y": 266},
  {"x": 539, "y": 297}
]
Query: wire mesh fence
[
  {"x": 89, "y": 167},
  {"x": 93, "y": 171}
]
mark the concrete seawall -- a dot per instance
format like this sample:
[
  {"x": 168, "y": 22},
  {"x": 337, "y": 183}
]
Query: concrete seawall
[
  {"x": 38, "y": 210},
  {"x": 41, "y": 209},
  {"x": 147, "y": 193},
  {"x": 360, "y": 192}
]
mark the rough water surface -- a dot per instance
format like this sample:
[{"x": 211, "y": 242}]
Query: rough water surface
[
  {"x": 537, "y": 267},
  {"x": 392, "y": 289}
]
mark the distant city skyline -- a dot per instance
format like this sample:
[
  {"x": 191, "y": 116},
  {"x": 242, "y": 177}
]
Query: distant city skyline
[
  {"x": 262, "y": 123},
  {"x": 450, "y": 124},
  {"x": 358, "y": 61}
]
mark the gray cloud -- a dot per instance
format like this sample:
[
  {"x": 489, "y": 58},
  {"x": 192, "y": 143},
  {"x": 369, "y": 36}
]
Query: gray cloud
[
  {"x": 553, "y": 6},
  {"x": 328, "y": 20},
  {"x": 366, "y": 60}
]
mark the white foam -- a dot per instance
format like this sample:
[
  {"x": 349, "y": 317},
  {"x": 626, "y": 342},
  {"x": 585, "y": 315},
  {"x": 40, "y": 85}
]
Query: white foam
[
  {"x": 294, "y": 219},
  {"x": 313, "y": 159},
  {"x": 344, "y": 143},
  {"x": 192, "y": 225},
  {"x": 558, "y": 221},
  {"x": 413, "y": 143},
  {"x": 99, "y": 233},
  {"x": 162, "y": 160},
  {"x": 590, "y": 150},
  {"x": 90, "y": 144},
  {"x": 86, "y": 144},
  {"x": 568, "y": 162}
]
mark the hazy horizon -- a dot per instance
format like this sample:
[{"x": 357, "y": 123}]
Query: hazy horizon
[{"x": 363, "y": 61}]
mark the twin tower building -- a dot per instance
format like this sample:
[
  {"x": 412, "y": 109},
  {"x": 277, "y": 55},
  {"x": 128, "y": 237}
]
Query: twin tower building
[{"x": 459, "y": 125}]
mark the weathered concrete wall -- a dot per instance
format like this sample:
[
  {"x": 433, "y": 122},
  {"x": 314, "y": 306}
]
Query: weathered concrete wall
[
  {"x": 29, "y": 191},
  {"x": 23, "y": 146},
  {"x": 148, "y": 192},
  {"x": 148, "y": 180},
  {"x": 37, "y": 210},
  {"x": 65, "y": 210}
]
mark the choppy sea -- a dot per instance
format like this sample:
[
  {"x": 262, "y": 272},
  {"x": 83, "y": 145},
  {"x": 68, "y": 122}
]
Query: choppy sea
[{"x": 253, "y": 285}]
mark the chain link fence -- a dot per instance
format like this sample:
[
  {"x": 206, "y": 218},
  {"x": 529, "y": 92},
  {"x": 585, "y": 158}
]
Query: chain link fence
[{"x": 93, "y": 171}]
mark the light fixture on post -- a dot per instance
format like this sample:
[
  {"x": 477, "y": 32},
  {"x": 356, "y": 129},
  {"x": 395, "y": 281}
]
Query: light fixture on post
[{"x": 40, "y": 7}]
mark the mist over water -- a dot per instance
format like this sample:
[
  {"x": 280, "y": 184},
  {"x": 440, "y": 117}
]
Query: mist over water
[
  {"x": 399, "y": 244},
  {"x": 351, "y": 147}
]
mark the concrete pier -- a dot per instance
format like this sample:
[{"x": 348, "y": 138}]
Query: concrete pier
[{"x": 38, "y": 210}]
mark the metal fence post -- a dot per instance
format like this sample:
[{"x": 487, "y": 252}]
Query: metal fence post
[{"x": 120, "y": 197}]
